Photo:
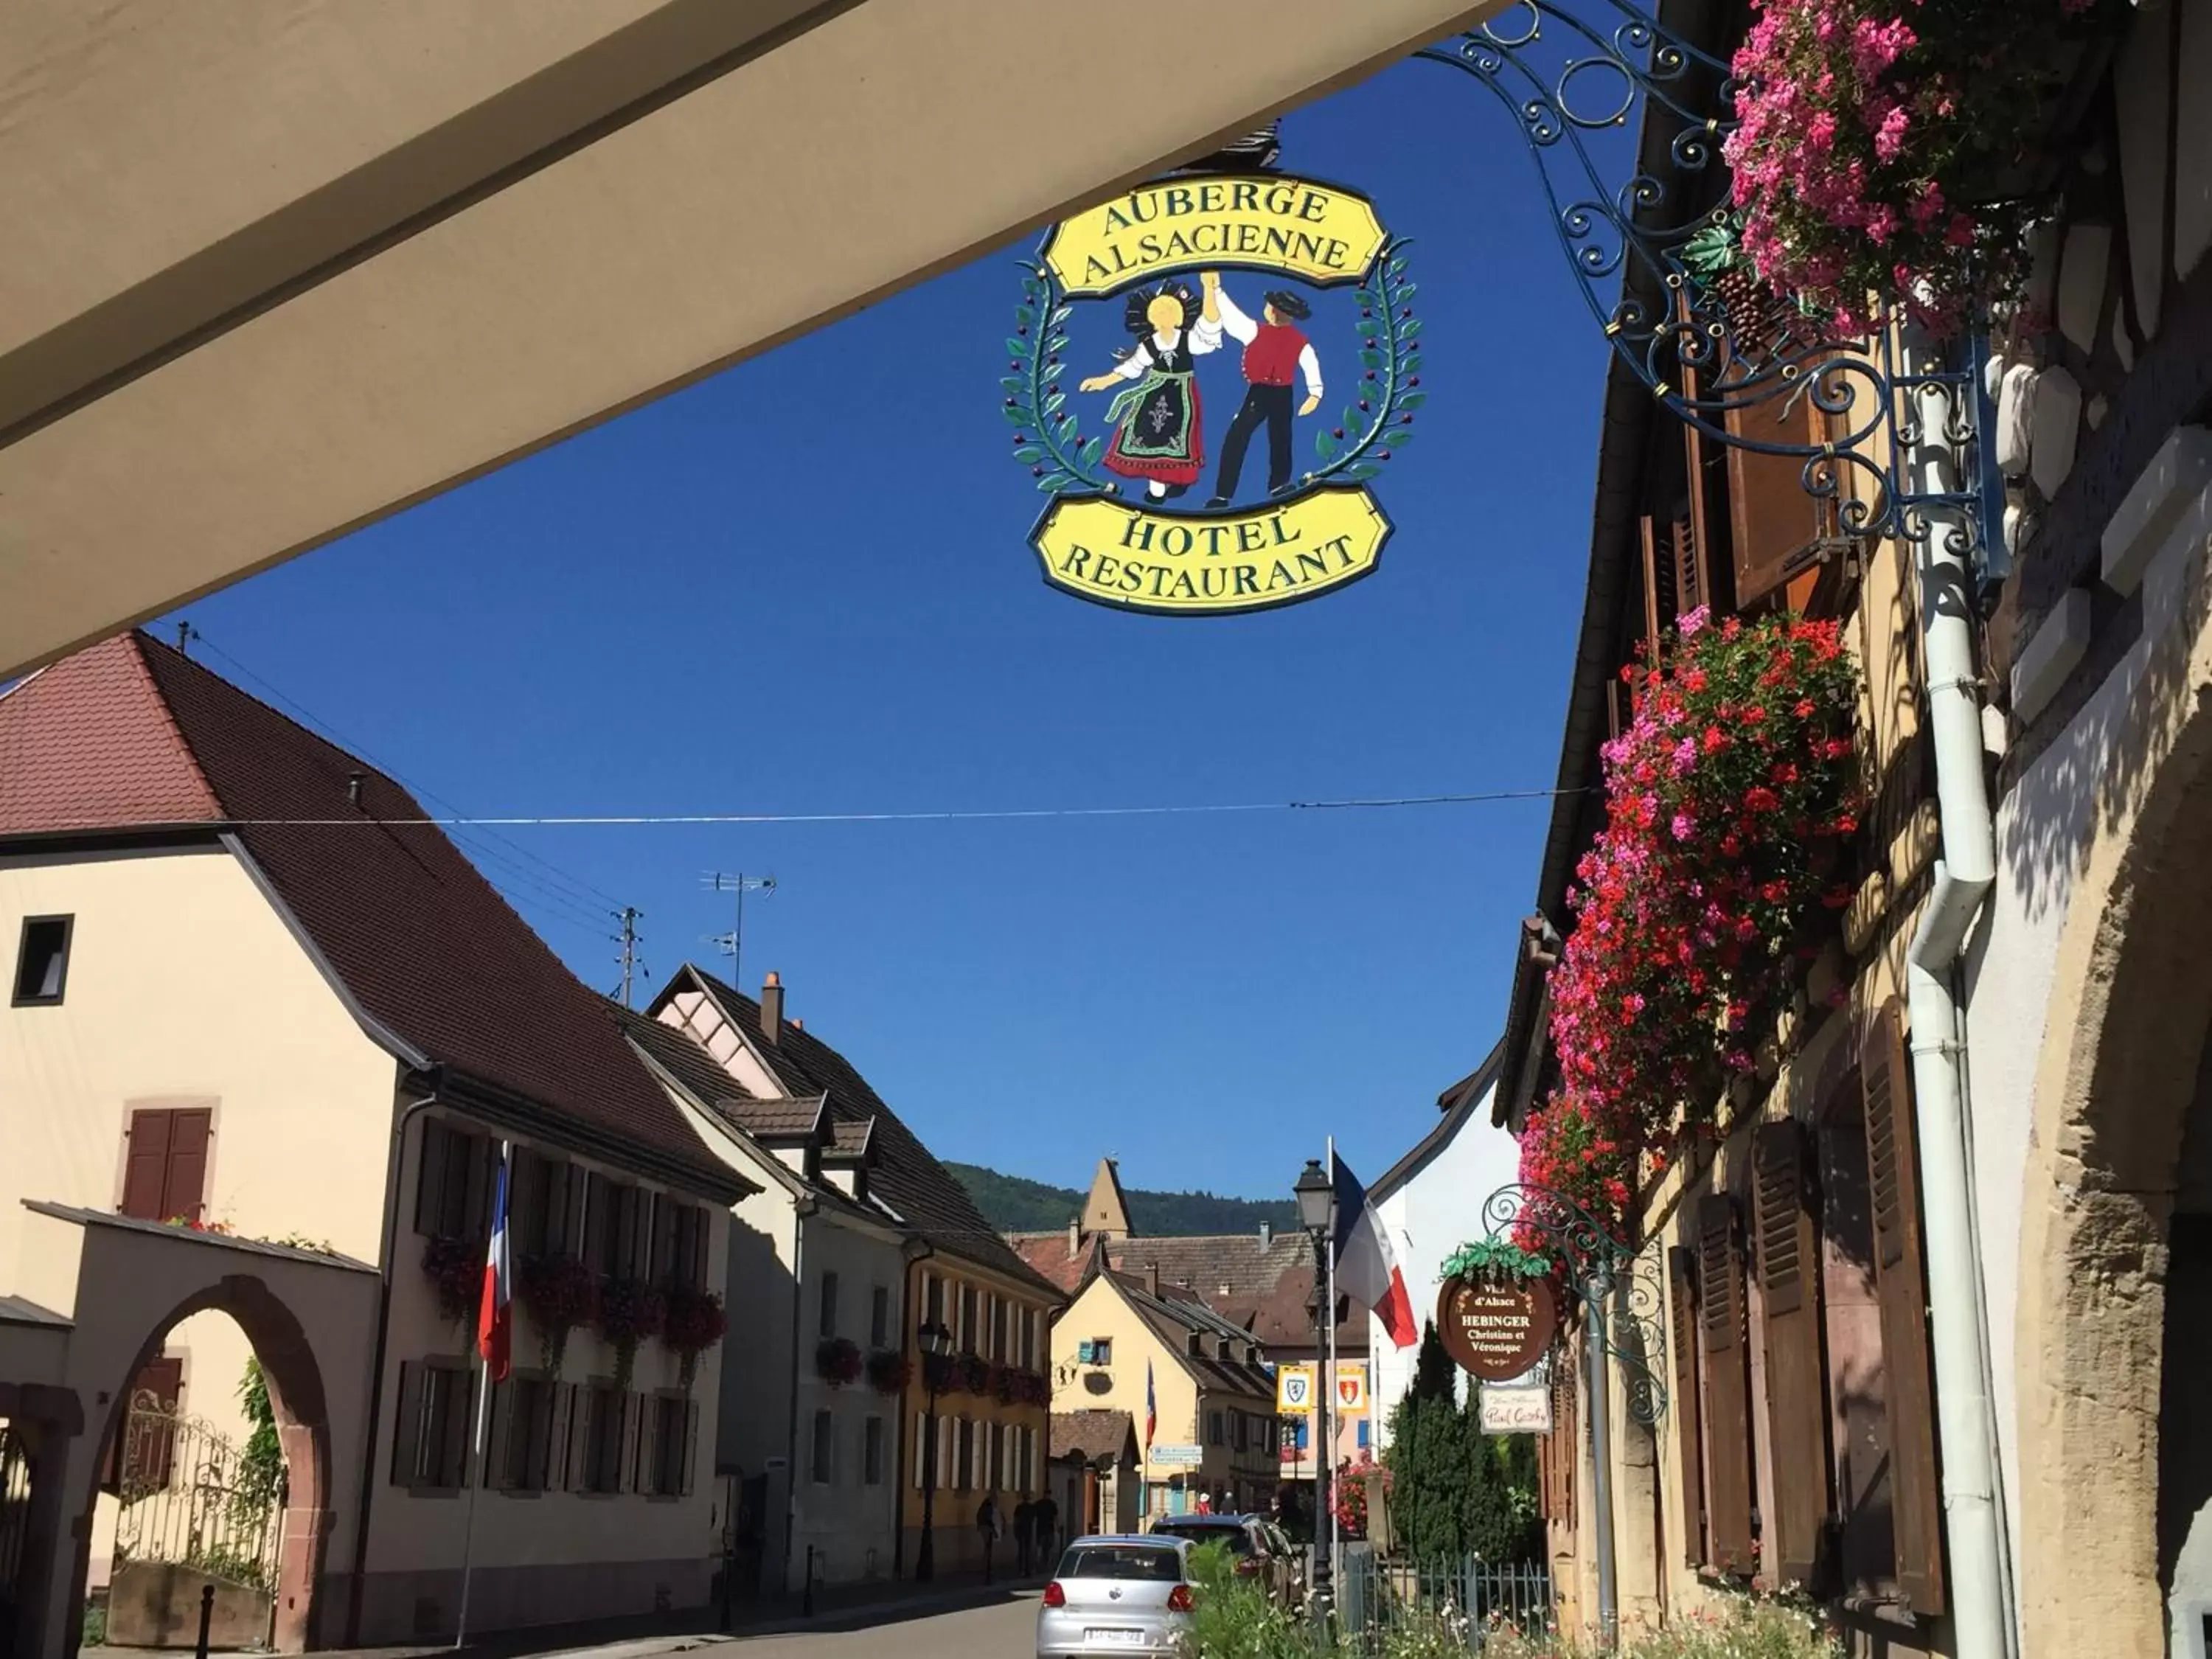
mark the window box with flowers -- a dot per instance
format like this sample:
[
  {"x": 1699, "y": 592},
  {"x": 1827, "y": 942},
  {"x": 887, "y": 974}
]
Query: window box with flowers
[
  {"x": 837, "y": 1361},
  {"x": 630, "y": 1311},
  {"x": 559, "y": 1293},
  {"x": 1885, "y": 147},
  {"x": 455, "y": 1269},
  {"x": 694, "y": 1323},
  {"x": 889, "y": 1371},
  {"x": 1731, "y": 800}
]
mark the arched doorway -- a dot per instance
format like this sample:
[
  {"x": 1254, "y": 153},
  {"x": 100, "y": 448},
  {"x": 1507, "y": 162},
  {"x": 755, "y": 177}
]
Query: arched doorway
[
  {"x": 2116, "y": 1252},
  {"x": 301, "y": 1410}
]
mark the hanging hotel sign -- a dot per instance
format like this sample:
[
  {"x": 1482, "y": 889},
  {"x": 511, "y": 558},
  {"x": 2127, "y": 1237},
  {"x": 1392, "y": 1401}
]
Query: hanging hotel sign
[
  {"x": 1497, "y": 1329},
  {"x": 1225, "y": 287}
]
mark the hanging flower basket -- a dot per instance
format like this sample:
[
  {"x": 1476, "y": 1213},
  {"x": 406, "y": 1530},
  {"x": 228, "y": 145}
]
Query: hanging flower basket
[
  {"x": 694, "y": 1322},
  {"x": 974, "y": 1375},
  {"x": 837, "y": 1361},
  {"x": 630, "y": 1310},
  {"x": 456, "y": 1272},
  {"x": 940, "y": 1373},
  {"x": 1880, "y": 144},
  {"x": 1730, "y": 800},
  {"x": 559, "y": 1293},
  {"x": 889, "y": 1371}
]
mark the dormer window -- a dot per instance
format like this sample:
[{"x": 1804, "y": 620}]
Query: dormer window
[{"x": 42, "y": 961}]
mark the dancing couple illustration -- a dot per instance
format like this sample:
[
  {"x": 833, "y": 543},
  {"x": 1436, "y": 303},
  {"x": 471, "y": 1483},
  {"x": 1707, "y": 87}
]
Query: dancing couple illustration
[{"x": 1159, "y": 432}]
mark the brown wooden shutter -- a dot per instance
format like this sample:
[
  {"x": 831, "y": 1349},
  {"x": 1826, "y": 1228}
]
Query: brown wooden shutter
[
  {"x": 560, "y": 1435},
  {"x": 145, "y": 1165},
  {"x": 1900, "y": 1276},
  {"x": 499, "y": 1436},
  {"x": 407, "y": 1423},
  {"x": 479, "y": 1169},
  {"x": 1797, "y": 1397},
  {"x": 1689, "y": 1420},
  {"x": 643, "y": 1438},
  {"x": 632, "y": 1408},
  {"x": 691, "y": 1446},
  {"x": 184, "y": 1191},
  {"x": 1775, "y": 524},
  {"x": 430, "y": 1179},
  {"x": 1727, "y": 1402},
  {"x": 460, "y": 1428},
  {"x": 561, "y": 1188}
]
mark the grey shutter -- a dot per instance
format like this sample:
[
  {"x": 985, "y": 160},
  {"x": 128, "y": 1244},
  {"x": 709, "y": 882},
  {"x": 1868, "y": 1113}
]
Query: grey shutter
[
  {"x": 407, "y": 1423},
  {"x": 499, "y": 1433}
]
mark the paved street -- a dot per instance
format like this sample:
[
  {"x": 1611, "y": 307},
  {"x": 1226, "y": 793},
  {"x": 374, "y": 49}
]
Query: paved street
[{"x": 1002, "y": 1630}]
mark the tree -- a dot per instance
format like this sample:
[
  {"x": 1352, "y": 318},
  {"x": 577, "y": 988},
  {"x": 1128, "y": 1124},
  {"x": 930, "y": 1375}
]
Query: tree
[{"x": 1452, "y": 1488}]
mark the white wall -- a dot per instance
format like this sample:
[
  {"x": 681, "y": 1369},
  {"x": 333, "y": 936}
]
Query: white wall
[{"x": 1438, "y": 1209}]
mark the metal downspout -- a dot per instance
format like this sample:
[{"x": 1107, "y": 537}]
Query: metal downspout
[{"x": 1981, "y": 1614}]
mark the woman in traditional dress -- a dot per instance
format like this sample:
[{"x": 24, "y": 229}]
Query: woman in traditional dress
[{"x": 1159, "y": 434}]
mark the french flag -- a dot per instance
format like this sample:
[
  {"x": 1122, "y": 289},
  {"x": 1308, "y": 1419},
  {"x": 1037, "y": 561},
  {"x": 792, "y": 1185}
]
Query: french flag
[
  {"x": 1366, "y": 1266},
  {"x": 1152, "y": 1410},
  {"x": 495, "y": 1316}
]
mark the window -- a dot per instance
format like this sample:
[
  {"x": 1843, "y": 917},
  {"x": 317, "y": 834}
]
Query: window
[
  {"x": 538, "y": 1218},
  {"x": 519, "y": 1449},
  {"x": 1213, "y": 1434},
  {"x": 679, "y": 1245},
  {"x": 675, "y": 1426},
  {"x": 933, "y": 1299},
  {"x": 826, "y": 1449},
  {"x": 971, "y": 1335},
  {"x": 1241, "y": 1426},
  {"x": 1099, "y": 1351},
  {"x": 871, "y": 1453},
  {"x": 922, "y": 1460},
  {"x": 165, "y": 1165},
  {"x": 431, "y": 1451},
  {"x": 828, "y": 1305},
  {"x": 965, "y": 1470},
  {"x": 452, "y": 1191},
  {"x": 42, "y": 961},
  {"x": 1362, "y": 1434},
  {"x": 998, "y": 1329},
  {"x": 605, "y": 1414},
  {"x": 618, "y": 1228},
  {"x": 879, "y": 1318}
]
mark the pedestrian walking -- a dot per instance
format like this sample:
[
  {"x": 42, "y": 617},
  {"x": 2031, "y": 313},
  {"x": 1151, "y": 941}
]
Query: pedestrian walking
[
  {"x": 987, "y": 1528},
  {"x": 1046, "y": 1521},
  {"x": 1025, "y": 1534}
]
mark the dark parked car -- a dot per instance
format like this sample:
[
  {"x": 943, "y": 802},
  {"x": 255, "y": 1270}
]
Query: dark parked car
[{"x": 1251, "y": 1539}]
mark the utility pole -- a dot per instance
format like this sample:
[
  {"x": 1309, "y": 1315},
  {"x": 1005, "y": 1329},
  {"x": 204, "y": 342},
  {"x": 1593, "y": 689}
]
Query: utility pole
[
  {"x": 628, "y": 915},
  {"x": 732, "y": 943},
  {"x": 186, "y": 635}
]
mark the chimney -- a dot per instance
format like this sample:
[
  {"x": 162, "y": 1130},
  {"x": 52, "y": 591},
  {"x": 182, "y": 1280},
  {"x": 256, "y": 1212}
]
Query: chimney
[
  {"x": 1152, "y": 1279},
  {"x": 1074, "y": 1237},
  {"x": 798, "y": 1024},
  {"x": 1267, "y": 1234},
  {"x": 354, "y": 781},
  {"x": 772, "y": 1007}
]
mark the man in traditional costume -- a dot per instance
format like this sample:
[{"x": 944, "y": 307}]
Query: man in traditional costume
[{"x": 1275, "y": 351}]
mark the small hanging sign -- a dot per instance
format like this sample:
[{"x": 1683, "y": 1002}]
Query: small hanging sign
[
  {"x": 1515, "y": 1408},
  {"x": 1497, "y": 1328},
  {"x": 1224, "y": 286}
]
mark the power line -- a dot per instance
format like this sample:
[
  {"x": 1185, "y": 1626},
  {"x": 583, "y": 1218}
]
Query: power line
[
  {"x": 988, "y": 814},
  {"x": 584, "y": 893}
]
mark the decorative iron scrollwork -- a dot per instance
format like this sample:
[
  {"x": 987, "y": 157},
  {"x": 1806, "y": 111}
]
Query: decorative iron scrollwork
[
  {"x": 1619, "y": 1290},
  {"x": 1654, "y": 259}
]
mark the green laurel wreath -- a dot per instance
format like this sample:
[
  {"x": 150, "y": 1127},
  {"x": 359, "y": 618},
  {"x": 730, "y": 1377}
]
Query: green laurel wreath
[
  {"x": 1048, "y": 440},
  {"x": 1487, "y": 1258}
]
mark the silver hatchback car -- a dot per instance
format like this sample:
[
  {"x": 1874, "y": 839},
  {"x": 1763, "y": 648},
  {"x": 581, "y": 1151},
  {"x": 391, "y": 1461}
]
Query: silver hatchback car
[{"x": 1117, "y": 1595}]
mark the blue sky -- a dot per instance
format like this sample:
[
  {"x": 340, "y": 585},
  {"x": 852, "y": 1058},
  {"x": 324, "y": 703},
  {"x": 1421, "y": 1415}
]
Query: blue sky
[{"x": 802, "y": 587}]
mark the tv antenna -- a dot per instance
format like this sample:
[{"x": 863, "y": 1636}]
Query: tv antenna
[{"x": 732, "y": 943}]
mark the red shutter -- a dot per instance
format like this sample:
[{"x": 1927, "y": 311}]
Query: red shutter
[
  {"x": 1797, "y": 1395},
  {"x": 146, "y": 1165},
  {"x": 1689, "y": 1420},
  {"x": 1727, "y": 1402},
  {"x": 1893, "y": 1175},
  {"x": 184, "y": 1188}
]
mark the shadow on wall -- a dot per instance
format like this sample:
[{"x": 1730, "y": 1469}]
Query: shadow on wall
[{"x": 2101, "y": 739}]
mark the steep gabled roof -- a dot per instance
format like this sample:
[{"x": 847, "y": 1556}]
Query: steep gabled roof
[
  {"x": 130, "y": 735},
  {"x": 1106, "y": 1209},
  {"x": 1175, "y": 1318},
  {"x": 905, "y": 1177}
]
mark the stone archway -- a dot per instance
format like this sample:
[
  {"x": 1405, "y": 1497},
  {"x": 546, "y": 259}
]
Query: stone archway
[
  {"x": 297, "y": 1397},
  {"x": 2116, "y": 1080}
]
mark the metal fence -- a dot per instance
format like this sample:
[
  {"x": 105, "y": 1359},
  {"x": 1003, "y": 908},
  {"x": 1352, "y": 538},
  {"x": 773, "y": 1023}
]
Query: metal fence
[
  {"x": 1376, "y": 1595},
  {"x": 191, "y": 1498}
]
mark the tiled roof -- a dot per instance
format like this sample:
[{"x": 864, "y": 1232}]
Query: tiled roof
[
  {"x": 905, "y": 1177},
  {"x": 425, "y": 948},
  {"x": 88, "y": 745},
  {"x": 1176, "y": 1319},
  {"x": 1095, "y": 1437}
]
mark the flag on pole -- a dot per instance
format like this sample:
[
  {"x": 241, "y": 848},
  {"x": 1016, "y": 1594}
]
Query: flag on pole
[
  {"x": 1366, "y": 1266},
  {"x": 495, "y": 1316},
  {"x": 1152, "y": 1410}
]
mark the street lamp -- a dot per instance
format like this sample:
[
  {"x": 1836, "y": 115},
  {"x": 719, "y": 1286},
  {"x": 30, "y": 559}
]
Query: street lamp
[
  {"x": 936, "y": 1342},
  {"x": 1316, "y": 1197}
]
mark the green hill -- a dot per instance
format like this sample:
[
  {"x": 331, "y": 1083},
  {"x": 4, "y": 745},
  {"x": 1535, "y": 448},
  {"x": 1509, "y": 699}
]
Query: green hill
[{"x": 1014, "y": 1205}]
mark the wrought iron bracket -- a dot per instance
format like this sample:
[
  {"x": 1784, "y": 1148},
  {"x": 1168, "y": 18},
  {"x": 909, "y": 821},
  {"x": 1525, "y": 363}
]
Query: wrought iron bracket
[
  {"x": 1619, "y": 1289},
  {"x": 1692, "y": 325}
]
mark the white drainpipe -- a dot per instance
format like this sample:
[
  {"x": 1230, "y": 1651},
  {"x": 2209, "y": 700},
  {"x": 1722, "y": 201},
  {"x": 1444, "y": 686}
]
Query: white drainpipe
[{"x": 1980, "y": 1594}]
